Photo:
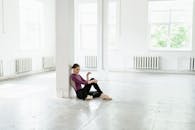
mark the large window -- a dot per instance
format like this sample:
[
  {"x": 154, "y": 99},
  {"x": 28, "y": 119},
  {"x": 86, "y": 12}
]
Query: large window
[
  {"x": 88, "y": 28},
  {"x": 96, "y": 28},
  {"x": 171, "y": 24},
  {"x": 113, "y": 21},
  {"x": 31, "y": 25}
]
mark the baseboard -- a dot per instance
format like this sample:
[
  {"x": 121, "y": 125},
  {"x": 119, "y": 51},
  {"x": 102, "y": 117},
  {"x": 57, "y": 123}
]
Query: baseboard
[
  {"x": 15, "y": 76},
  {"x": 154, "y": 71}
]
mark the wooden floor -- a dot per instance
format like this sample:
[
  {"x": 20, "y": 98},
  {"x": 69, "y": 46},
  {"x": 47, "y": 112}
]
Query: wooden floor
[{"x": 140, "y": 102}]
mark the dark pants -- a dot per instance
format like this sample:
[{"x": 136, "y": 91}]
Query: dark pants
[{"x": 82, "y": 93}]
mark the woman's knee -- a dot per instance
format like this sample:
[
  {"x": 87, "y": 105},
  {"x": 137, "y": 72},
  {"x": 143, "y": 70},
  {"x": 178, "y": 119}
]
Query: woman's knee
[{"x": 94, "y": 84}]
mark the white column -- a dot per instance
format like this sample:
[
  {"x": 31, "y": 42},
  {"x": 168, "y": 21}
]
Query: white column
[{"x": 64, "y": 45}]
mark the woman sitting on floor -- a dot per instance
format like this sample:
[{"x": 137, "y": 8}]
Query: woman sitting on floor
[{"x": 85, "y": 93}]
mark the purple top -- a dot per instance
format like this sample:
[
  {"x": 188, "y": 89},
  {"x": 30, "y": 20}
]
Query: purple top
[{"x": 78, "y": 80}]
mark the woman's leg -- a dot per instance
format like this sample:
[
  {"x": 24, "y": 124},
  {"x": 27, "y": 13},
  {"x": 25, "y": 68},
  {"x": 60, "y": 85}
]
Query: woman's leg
[
  {"x": 95, "y": 94},
  {"x": 99, "y": 92},
  {"x": 82, "y": 93},
  {"x": 79, "y": 94},
  {"x": 95, "y": 85}
]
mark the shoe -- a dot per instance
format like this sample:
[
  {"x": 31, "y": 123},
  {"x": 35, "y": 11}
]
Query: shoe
[
  {"x": 105, "y": 97},
  {"x": 89, "y": 97}
]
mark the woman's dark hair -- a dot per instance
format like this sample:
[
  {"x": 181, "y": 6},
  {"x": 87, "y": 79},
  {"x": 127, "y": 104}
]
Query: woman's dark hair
[{"x": 75, "y": 66}]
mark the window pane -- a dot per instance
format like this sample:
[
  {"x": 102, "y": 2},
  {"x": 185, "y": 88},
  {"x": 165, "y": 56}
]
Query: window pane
[
  {"x": 159, "y": 35},
  {"x": 88, "y": 35},
  {"x": 112, "y": 12},
  {"x": 31, "y": 25},
  {"x": 180, "y": 36},
  {"x": 88, "y": 18},
  {"x": 88, "y": 24},
  {"x": 84, "y": 7},
  {"x": 181, "y": 16},
  {"x": 112, "y": 23},
  {"x": 112, "y": 35},
  {"x": 159, "y": 17}
]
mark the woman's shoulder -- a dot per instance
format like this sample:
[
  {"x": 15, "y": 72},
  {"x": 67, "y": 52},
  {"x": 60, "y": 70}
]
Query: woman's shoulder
[{"x": 75, "y": 75}]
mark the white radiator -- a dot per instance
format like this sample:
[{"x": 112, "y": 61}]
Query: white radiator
[
  {"x": 192, "y": 63},
  {"x": 1, "y": 68},
  {"x": 147, "y": 62},
  {"x": 91, "y": 62},
  {"x": 48, "y": 63},
  {"x": 23, "y": 65}
]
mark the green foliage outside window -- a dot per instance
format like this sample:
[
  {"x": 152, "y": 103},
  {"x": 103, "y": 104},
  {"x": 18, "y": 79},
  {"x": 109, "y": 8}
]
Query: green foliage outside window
[
  {"x": 177, "y": 38},
  {"x": 159, "y": 36}
]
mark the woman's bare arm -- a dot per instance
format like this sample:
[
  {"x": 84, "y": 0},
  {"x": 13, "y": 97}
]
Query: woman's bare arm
[{"x": 87, "y": 76}]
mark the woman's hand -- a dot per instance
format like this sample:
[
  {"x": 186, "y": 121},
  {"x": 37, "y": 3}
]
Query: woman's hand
[
  {"x": 92, "y": 81},
  {"x": 88, "y": 73},
  {"x": 95, "y": 81}
]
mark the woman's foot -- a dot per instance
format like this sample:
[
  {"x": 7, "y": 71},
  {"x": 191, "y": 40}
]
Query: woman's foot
[
  {"x": 105, "y": 97},
  {"x": 89, "y": 97}
]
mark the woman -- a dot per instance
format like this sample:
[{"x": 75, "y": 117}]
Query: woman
[{"x": 85, "y": 93}]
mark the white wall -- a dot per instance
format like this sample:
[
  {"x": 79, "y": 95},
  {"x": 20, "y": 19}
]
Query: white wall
[
  {"x": 10, "y": 40},
  {"x": 134, "y": 39}
]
